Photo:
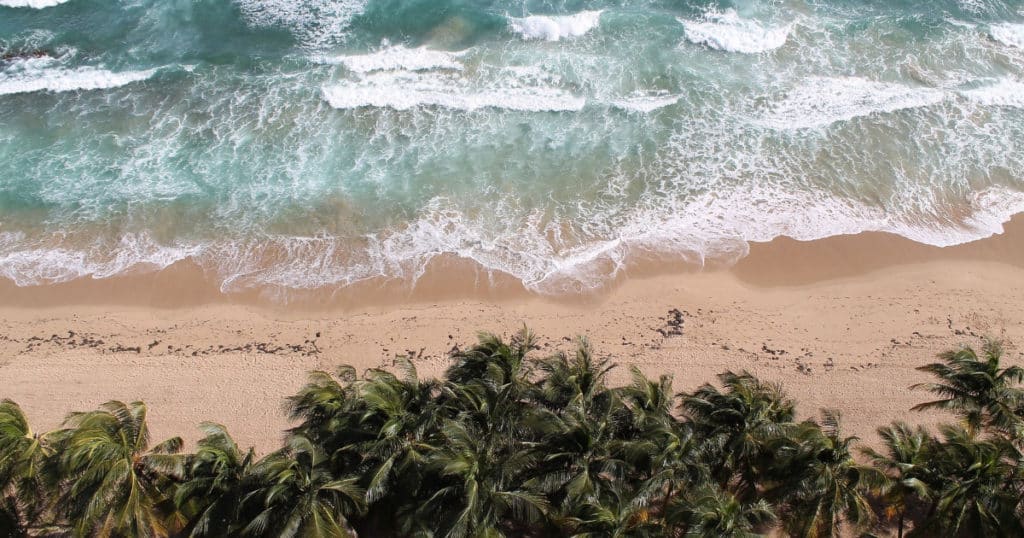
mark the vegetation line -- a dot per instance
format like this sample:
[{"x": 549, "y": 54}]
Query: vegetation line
[{"x": 509, "y": 445}]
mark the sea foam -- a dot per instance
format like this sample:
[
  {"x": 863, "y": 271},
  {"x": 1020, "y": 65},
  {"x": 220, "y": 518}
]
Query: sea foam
[
  {"x": 34, "y": 4},
  {"x": 645, "y": 103},
  {"x": 1006, "y": 92},
  {"x": 405, "y": 90},
  {"x": 822, "y": 101},
  {"x": 42, "y": 74},
  {"x": 555, "y": 28},
  {"x": 728, "y": 32},
  {"x": 1008, "y": 34}
]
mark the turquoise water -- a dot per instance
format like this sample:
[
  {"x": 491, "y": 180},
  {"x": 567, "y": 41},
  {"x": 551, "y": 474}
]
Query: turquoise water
[{"x": 289, "y": 144}]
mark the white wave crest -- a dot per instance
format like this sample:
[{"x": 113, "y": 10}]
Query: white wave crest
[
  {"x": 404, "y": 90},
  {"x": 1006, "y": 92},
  {"x": 1008, "y": 34},
  {"x": 821, "y": 101},
  {"x": 29, "y": 263},
  {"x": 34, "y": 4},
  {"x": 645, "y": 103},
  {"x": 42, "y": 74},
  {"x": 396, "y": 58},
  {"x": 728, "y": 32},
  {"x": 555, "y": 28}
]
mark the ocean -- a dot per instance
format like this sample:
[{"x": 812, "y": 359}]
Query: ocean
[{"x": 296, "y": 145}]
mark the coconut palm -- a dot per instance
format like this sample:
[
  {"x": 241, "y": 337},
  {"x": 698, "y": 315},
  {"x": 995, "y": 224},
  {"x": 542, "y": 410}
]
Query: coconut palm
[
  {"x": 115, "y": 485},
  {"x": 297, "y": 495},
  {"x": 664, "y": 452},
  {"x": 981, "y": 490},
  {"x": 977, "y": 390},
  {"x": 576, "y": 421},
  {"x": 736, "y": 424},
  {"x": 216, "y": 482},
  {"x": 619, "y": 516},
  {"x": 909, "y": 462},
  {"x": 494, "y": 360},
  {"x": 818, "y": 482},
  {"x": 577, "y": 462},
  {"x": 714, "y": 513},
  {"x": 482, "y": 493},
  {"x": 400, "y": 415},
  {"x": 327, "y": 409},
  {"x": 572, "y": 383},
  {"x": 23, "y": 470}
]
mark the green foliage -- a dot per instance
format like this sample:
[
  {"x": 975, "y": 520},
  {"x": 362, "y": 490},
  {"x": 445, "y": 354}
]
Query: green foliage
[
  {"x": 509, "y": 445},
  {"x": 977, "y": 390}
]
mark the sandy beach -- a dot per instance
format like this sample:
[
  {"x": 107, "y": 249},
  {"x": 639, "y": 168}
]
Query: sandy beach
[{"x": 841, "y": 322}]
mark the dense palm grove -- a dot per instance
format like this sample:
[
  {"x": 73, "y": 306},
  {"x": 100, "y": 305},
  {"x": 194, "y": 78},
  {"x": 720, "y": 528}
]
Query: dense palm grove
[{"x": 510, "y": 445}]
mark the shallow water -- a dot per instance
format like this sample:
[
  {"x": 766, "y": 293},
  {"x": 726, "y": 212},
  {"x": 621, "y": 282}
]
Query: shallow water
[{"x": 290, "y": 144}]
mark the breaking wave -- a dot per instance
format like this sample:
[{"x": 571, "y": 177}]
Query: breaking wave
[
  {"x": 728, "y": 32},
  {"x": 555, "y": 28}
]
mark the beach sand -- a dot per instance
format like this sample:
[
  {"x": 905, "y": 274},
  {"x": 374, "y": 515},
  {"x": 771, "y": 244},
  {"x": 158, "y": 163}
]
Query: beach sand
[{"x": 840, "y": 322}]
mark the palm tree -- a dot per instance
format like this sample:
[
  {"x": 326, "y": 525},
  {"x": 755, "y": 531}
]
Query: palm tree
[
  {"x": 23, "y": 480},
  {"x": 577, "y": 422},
  {"x": 818, "y": 481},
  {"x": 297, "y": 495},
  {"x": 977, "y": 389},
  {"x": 715, "y": 513},
  {"x": 576, "y": 383},
  {"x": 401, "y": 412},
  {"x": 619, "y": 516},
  {"x": 402, "y": 417},
  {"x": 494, "y": 360},
  {"x": 664, "y": 452},
  {"x": 736, "y": 424},
  {"x": 483, "y": 476},
  {"x": 981, "y": 490},
  {"x": 114, "y": 484},
  {"x": 909, "y": 462},
  {"x": 577, "y": 462},
  {"x": 217, "y": 478},
  {"x": 328, "y": 409}
]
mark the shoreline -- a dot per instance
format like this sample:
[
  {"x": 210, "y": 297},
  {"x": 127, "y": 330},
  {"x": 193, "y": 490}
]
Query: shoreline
[
  {"x": 185, "y": 285},
  {"x": 841, "y": 322}
]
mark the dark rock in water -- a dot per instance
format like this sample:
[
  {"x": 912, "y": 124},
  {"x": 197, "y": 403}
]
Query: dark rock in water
[{"x": 10, "y": 56}]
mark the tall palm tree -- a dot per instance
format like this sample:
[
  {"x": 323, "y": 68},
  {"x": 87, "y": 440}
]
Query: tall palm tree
[
  {"x": 736, "y": 424},
  {"x": 401, "y": 413},
  {"x": 576, "y": 422},
  {"x": 577, "y": 461},
  {"x": 572, "y": 383},
  {"x": 981, "y": 491},
  {"x": 819, "y": 482},
  {"x": 664, "y": 452},
  {"x": 327, "y": 408},
  {"x": 910, "y": 463},
  {"x": 297, "y": 495},
  {"x": 115, "y": 484},
  {"x": 23, "y": 476},
  {"x": 216, "y": 482},
  {"x": 482, "y": 493},
  {"x": 713, "y": 513},
  {"x": 619, "y": 516},
  {"x": 977, "y": 390},
  {"x": 494, "y": 360},
  {"x": 402, "y": 417}
]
